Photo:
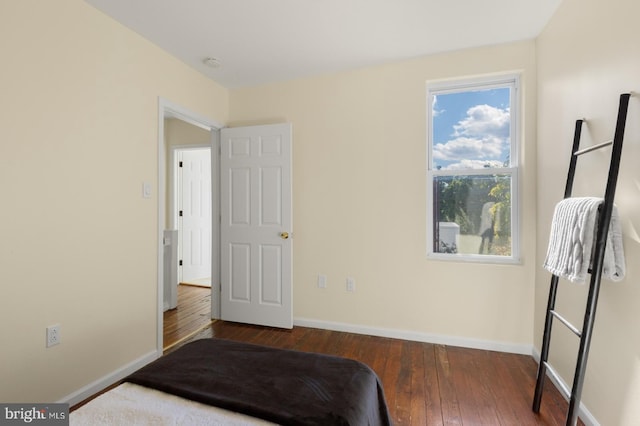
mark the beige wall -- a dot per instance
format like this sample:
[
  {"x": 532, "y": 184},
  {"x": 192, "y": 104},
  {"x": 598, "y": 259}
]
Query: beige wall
[
  {"x": 359, "y": 193},
  {"x": 79, "y": 114},
  {"x": 587, "y": 56},
  {"x": 179, "y": 133}
]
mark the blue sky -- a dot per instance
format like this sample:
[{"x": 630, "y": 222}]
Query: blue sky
[{"x": 471, "y": 129}]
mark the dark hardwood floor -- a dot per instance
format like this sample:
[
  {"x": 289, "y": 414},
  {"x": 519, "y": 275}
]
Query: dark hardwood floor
[
  {"x": 425, "y": 384},
  {"x": 192, "y": 313}
]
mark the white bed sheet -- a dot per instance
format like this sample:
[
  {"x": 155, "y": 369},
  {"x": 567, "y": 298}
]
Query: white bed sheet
[{"x": 131, "y": 404}]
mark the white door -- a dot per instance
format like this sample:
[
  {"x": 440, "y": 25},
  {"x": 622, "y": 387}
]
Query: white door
[
  {"x": 256, "y": 225},
  {"x": 195, "y": 214}
]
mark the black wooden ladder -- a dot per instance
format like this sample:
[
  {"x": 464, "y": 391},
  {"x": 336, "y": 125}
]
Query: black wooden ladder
[{"x": 597, "y": 264}]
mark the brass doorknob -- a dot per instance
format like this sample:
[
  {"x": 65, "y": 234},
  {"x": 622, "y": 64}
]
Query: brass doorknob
[{"x": 284, "y": 235}]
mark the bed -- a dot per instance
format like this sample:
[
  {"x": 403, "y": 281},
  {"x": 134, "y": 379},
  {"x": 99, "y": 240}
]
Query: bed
[{"x": 218, "y": 381}]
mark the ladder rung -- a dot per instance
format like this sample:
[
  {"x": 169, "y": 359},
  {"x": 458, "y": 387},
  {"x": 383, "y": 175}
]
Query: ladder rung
[
  {"x": 557, "y": 380},
  {"x": 593, "y": 148},
  {"x": 567, "y": 323}
]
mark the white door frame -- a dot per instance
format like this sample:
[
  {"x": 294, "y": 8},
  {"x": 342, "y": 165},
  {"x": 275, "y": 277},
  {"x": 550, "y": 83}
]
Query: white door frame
[{"x": 168, "y": 109}]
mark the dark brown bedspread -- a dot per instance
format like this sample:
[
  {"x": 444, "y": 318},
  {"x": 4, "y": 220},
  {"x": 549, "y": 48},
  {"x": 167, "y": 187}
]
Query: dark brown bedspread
[{"x": 282, "y": 386}]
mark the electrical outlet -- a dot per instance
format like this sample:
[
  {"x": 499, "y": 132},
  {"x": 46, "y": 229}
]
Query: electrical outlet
[
  {"x": 322, "y": 281},
  {"x": 351, "y": 284},
  {"x": 53, "y": 335}
]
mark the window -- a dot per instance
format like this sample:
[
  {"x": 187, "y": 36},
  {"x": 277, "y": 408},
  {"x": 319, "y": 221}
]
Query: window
[{"x": 472, "y": 170}]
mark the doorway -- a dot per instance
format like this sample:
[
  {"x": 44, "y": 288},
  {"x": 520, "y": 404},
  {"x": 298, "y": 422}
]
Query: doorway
[
  {"x": 182, "y": 130},
  {"x": 268, "y": 150}
]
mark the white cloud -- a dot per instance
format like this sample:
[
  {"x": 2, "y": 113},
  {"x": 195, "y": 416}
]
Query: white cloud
[
  {"x": 434, "y": 108},
  {"x": 478, "y": 140},
  {"x": 469, "y": 148},
  {"x": 484, "y": 120}
]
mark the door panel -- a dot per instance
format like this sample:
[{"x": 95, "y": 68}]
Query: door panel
[
  {"x": 271, "y": 275},
  {"x": 271, "y": 202},
  {"x": 240, "y": 196},
  {"x": 240, "y": 278},
  {"x": 256, "y": 271}
]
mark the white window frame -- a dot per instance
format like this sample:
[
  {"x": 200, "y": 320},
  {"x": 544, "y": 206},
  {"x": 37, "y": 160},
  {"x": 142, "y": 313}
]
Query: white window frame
[{"x": 434, "y": 88}]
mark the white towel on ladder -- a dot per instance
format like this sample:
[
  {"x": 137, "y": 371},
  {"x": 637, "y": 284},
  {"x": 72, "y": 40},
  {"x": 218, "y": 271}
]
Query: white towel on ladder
[{"x": 572, "y": 238}]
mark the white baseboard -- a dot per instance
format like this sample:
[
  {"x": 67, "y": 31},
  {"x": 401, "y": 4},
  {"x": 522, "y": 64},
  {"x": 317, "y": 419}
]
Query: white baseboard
[
  {"x": 417, "y": 336},
  {"x": 585, "y": 415},
  {"x": 106, "y": 381}
]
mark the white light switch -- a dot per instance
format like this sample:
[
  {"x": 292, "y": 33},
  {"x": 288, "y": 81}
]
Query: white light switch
[
  {"x": 322, "y": 281},
  {"x": 146, "y": 190}
]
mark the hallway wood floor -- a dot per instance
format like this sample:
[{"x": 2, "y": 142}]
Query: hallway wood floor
[
  {"x": 193, "y": 313},
  {"x": 425, "y": 384}
]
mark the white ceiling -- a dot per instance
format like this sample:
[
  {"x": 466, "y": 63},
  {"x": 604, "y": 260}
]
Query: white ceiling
[{"x": 262, "y": 41}]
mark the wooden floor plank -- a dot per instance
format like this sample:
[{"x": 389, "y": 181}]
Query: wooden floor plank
[
  {"x": 432, "y": 395},
  {"x": 449, "y": 404},
  {"x": 417, "y": 395},
  {"x": 403, "y": 384},
  {"x": 390, "y": 379}
]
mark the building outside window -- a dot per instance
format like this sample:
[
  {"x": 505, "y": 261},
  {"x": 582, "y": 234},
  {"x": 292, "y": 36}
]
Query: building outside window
[{"x": 472, "y": 169}]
